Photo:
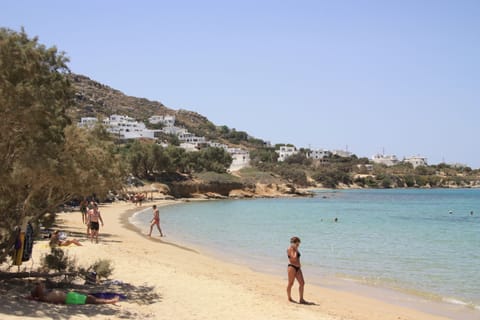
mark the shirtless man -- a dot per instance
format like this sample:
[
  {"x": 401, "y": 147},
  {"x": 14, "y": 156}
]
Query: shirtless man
[
  {"x": 40, "y": 293},
  {"x": 155, "y": 221},
  {"x": 94, "y": 218}
]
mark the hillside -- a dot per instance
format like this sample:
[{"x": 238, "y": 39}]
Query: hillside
[
  {"x": 98, "y": 100},
  {"x": 93, "y": 99}
]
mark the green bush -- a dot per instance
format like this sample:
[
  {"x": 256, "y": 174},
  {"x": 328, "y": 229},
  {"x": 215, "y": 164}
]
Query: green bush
[
  {"x": 59, "y": 261},
  {"x": 103, "y": 268}
]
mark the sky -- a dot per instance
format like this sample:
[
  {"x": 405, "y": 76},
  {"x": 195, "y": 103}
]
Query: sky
[{"x": 398, "y": 76}]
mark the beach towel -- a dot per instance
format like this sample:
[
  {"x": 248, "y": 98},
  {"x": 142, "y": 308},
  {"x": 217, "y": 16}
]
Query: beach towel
[
  {"x": 28, "y": 243},
  {"x": 18, "y": 252},
  {"x": 109, "y": 295}
]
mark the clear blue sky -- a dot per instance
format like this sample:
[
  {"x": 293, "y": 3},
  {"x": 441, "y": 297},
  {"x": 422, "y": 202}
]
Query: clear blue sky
[{"x": 399, "y": 75}]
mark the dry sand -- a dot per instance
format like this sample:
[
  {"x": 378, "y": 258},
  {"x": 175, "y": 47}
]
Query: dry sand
[{"x": 167, "y": 281}]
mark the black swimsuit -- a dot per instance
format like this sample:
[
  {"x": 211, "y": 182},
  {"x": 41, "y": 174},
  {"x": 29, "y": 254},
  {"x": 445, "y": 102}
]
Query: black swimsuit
[{"x": 297, "y": 268}]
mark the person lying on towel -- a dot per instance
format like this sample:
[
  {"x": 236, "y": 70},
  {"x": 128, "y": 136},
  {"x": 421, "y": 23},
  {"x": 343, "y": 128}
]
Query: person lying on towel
[
  {"x": 60, "y": 239},
  {"x": 40, "y": 293}
]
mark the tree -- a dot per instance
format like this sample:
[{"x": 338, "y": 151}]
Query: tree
[
  {"x": 298, "y": 158},
  {"x": 91, "y": 163},
  {"x": 38, "y": 170},
  {"x": 263, "y": 155},
  {"x": 213, "y": 159}
]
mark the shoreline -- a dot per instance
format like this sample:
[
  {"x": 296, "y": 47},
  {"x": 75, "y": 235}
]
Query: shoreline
[
  {"x": 401, "y": 297},
  {"x": 189, "y": 284}
]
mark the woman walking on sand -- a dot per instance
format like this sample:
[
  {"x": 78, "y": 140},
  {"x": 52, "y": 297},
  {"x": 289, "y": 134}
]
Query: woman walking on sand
[{"x": 295, "y": 270}]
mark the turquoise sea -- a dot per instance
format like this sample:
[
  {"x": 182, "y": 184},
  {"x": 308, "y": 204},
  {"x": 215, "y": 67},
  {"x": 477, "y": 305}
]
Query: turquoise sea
[{"x": 425, "y": 243}]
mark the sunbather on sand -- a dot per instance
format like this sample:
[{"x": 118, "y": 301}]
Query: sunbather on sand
[
  {"x": 40, "y": 293},
  {"x": 57, "y": 241}
]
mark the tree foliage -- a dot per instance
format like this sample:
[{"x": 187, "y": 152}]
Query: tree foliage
[
  {"x": 44, "y": 162},
  {"x": 148, "y": 160}
]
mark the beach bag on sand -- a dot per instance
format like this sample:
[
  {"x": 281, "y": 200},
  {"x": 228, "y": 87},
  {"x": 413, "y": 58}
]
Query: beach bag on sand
[{"x": 91, "y": 278}]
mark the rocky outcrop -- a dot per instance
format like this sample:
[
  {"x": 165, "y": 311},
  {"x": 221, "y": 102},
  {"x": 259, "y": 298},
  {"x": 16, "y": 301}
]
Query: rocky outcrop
[
  {"x": 188, "y": 189},
  {"x": 236, "y": 190}
]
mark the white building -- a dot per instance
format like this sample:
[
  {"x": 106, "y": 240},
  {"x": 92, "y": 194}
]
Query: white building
[
  {"x": 318, "y": 154},
  {"x": 285, "y": 151},
  {"x": 342, "y": 153},
  {"x": 416, "y": 161},
  {"x": 167, "y": 121},
  {"x": 176, "y": 131},
  {"x": 189, "y": 147},
  {"x": 240, "y": 158},
  {"x": 191, "y": 138},
  {"x": 125, "y": 127},
  {"x": 217, "y": 145},
  {"x": 88, "y": 122},
  {"x": 388, "y": 160}
]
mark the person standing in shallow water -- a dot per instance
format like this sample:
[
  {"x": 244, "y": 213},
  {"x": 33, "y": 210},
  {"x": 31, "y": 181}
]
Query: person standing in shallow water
[
  {"x": 295, "y": 270},
  {"x": 155, "y": 221}
]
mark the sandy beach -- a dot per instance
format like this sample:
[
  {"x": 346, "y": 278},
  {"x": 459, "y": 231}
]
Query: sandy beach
[{"x": 167, "y": 281}]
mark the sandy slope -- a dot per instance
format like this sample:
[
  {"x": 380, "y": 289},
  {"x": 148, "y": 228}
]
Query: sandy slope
[{"x": 171, "y": 282}]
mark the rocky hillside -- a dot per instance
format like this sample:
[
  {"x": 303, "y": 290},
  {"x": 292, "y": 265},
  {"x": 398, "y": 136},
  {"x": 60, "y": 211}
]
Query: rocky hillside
[{"x": 93, "y": 99}]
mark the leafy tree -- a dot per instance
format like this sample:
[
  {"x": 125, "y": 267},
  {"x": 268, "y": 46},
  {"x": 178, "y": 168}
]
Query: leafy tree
[
  {"x": 214, "y": 159},
  {"x": 298, "y": 158},
  {"x": 386, "y": 182},
  {"x": 38, "y": 170},
  {"x": 294, "y": 175},
  {"x": 263, "y": 155}
]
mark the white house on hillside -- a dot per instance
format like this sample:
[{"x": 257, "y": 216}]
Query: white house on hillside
[
  {"x": 318, "y": 154},
  {"x": 285, "y": 151},
  {"x": 416, "y": 161},
  {"x": 126, "y": 127},
  {"x": 342, "y": 153},
  {"x": 88, "y": 122},
  {"x": 240, "y": 158},
  {"x": 167, "y": 121},
  {"x": 176, "y": 131},
  {"x": 191, "y": 138},
  {"x": 388, "y": 160},
  {"x": 189, "y": 147}
]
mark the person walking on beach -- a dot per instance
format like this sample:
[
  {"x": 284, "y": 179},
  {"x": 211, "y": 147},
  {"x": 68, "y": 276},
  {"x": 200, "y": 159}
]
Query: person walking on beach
[
  {"x": 94, "y": 217},
  {"x": 90, "y": 206},
  {"x": 84, "y": 210},
  {"x": 295, "y": 270},
  {"x": 155, "y": 221}
]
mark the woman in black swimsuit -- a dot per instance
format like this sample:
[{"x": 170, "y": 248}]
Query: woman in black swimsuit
[{"x": 295, "y": 270}]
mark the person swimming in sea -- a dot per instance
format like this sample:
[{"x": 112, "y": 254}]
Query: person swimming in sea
[{"x": 295, "y": 270}]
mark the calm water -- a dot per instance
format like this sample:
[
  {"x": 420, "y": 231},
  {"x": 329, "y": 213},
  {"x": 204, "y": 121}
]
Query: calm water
[{"x": 400, "y": 239}]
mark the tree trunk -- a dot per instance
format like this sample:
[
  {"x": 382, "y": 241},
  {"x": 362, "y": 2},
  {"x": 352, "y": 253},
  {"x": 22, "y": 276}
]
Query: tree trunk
[{"x": 21, "y": 275}]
